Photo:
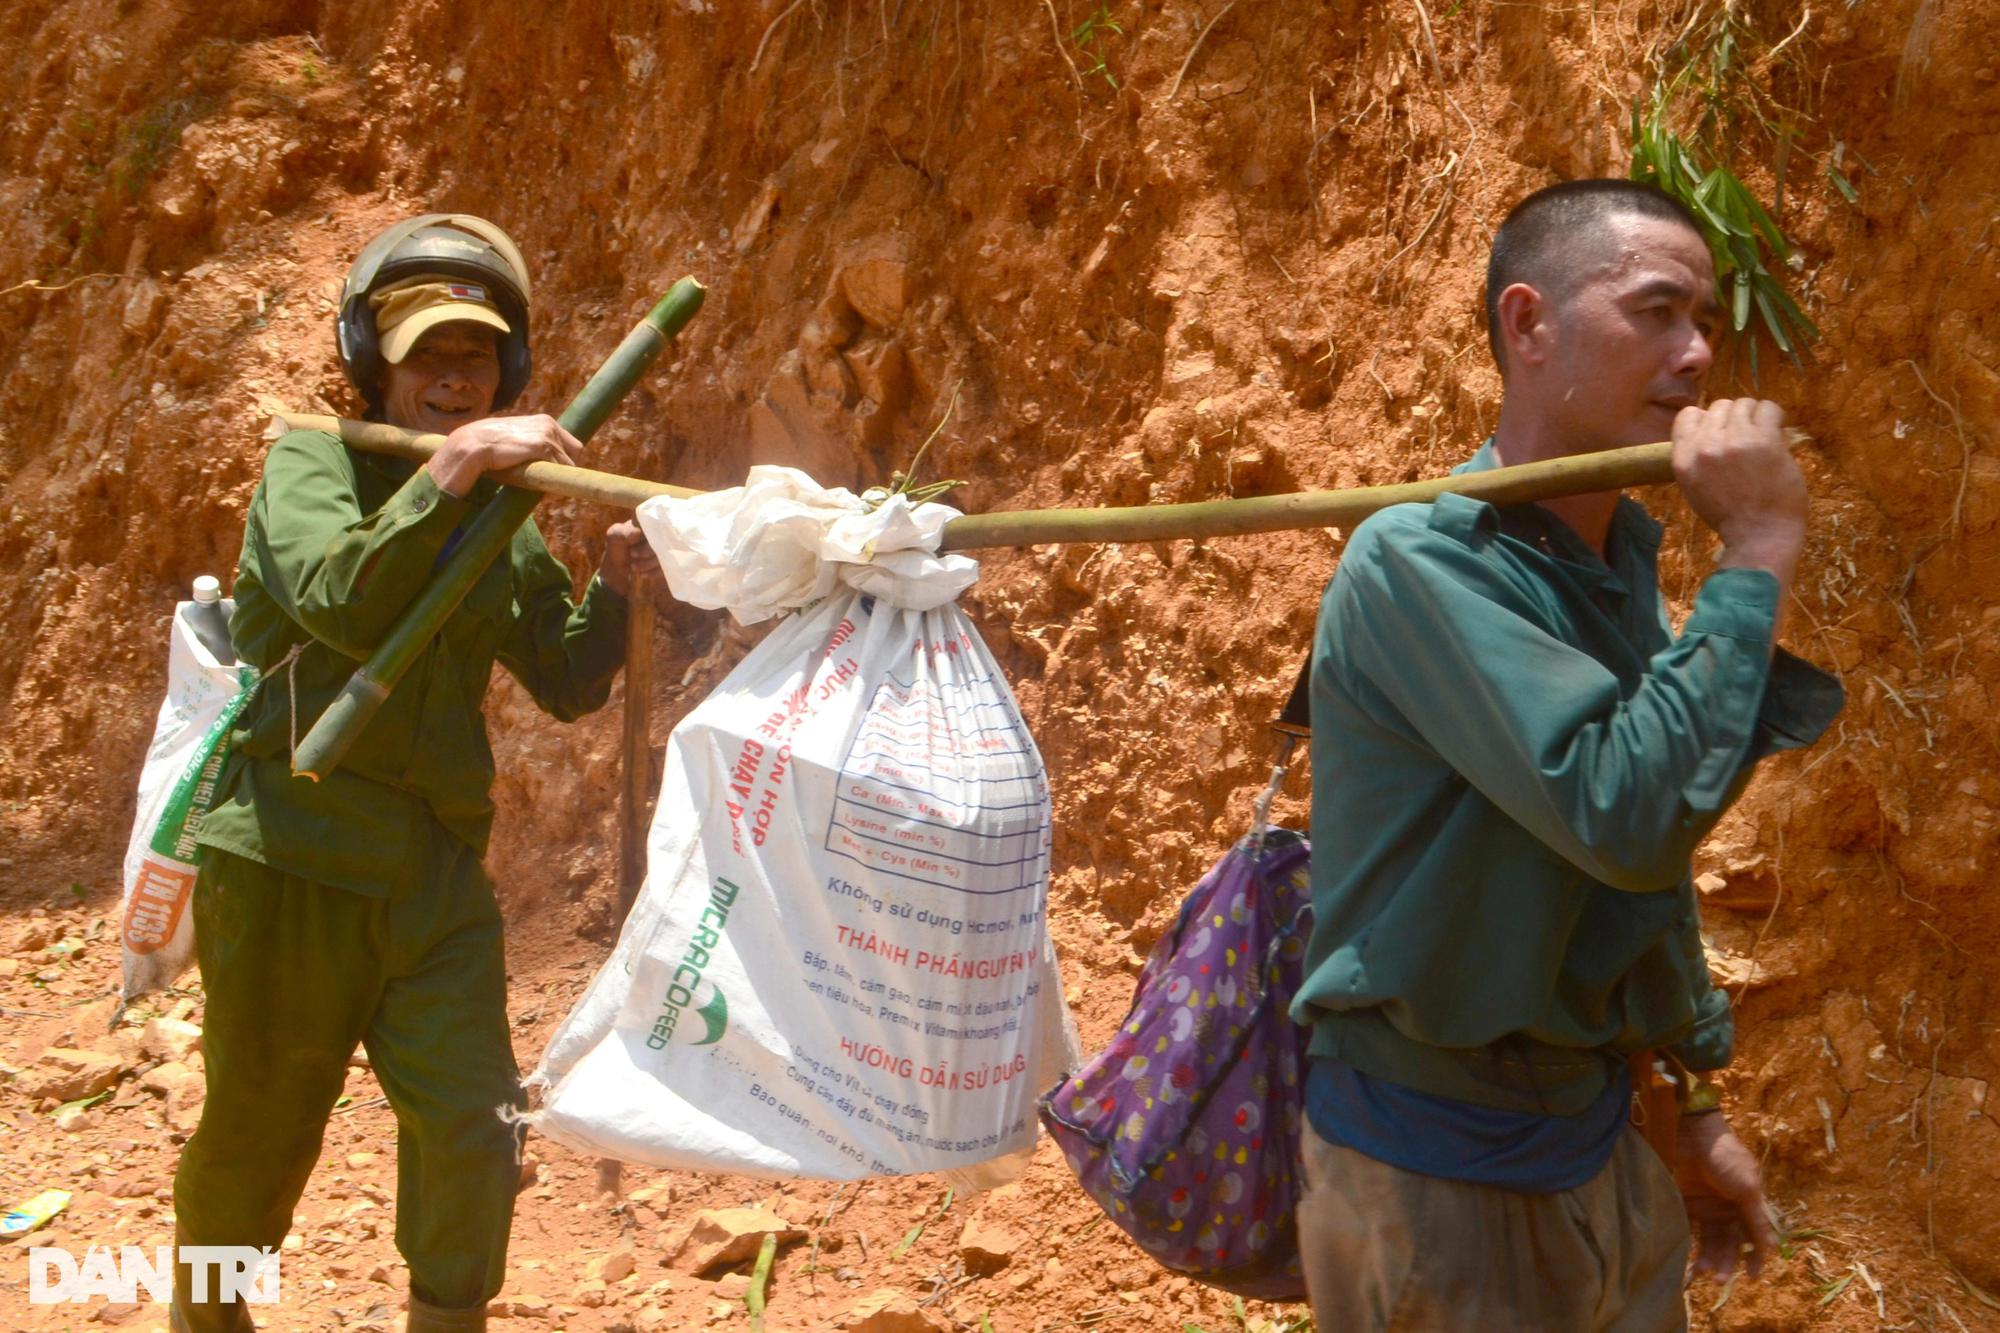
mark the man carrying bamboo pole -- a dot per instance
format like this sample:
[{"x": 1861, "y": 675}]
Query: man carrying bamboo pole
[
  {"x": 1513, "y": 761},
  {"x": 354, "y": 909}
]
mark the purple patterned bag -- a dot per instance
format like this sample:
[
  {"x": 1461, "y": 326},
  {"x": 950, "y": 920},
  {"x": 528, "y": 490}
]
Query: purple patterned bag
[{"x": 1186, "y": 1129}]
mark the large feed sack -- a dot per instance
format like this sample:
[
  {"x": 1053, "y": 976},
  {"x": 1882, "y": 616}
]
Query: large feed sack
[
  {"x": 176, "y": 788},
  {"x": 839, "y": 965}
]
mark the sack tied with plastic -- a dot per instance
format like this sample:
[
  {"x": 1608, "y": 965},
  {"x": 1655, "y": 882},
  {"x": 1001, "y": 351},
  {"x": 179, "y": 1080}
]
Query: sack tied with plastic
[{"x": 839, "y": 965}]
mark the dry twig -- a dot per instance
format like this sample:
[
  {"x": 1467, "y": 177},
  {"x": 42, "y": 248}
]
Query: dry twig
[
  {"x": 1430, "y": 41},
  {"x": 1198, "y": 39},
  {"x": 1803, "y": 20},
  {"x": 32, "y": 285},
  {"x": 1055, "y": 26},
  {"x": 1916, "y": 60},
  {"x": 1964, "y": 445},
  {"x": 1777, "y": 897},
  {"x": 1450, "y": 174},
  {"x": 1972, "y": 1289},
  {"x": 789, "y": 10}
]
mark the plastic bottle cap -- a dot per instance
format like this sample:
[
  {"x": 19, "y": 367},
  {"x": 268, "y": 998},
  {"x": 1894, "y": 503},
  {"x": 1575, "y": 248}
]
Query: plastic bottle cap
[{"x": 207, "y": 590}]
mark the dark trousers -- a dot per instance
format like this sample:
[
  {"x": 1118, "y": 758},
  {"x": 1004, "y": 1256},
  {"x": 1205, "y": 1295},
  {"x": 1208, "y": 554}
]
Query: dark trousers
[{"x": 297, "y": 974}]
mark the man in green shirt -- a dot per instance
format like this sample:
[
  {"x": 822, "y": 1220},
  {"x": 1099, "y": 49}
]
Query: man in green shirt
[
  {"x": 1514, "y": 759},
  {"x": 354, "y": 910}
]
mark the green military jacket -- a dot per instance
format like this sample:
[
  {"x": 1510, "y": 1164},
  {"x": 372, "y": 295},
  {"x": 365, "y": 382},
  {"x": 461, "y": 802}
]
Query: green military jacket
[
  {"x": 336, "y": 545},
  {"x": 1513, "y": 760}
]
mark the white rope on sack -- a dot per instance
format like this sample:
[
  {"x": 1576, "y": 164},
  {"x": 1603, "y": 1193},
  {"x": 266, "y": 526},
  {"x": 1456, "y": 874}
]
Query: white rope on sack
[{"x": 290, "y": 662}]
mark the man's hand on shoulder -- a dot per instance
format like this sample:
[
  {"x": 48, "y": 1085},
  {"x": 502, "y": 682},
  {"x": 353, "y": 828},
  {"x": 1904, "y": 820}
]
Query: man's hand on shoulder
[
  {"x": 1731, "y": 461},
  {"x": 495, "y": 444},
  {"x": 1724, "y": 1193}
]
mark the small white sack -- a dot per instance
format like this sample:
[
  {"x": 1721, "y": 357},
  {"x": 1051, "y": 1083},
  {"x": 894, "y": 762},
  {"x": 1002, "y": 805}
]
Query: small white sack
[
  {"x": 839, "y": 965},
  {"x": 176, "y": 788}
]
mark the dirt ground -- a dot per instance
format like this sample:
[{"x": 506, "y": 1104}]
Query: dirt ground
[{"x": 1216, "y": 249}]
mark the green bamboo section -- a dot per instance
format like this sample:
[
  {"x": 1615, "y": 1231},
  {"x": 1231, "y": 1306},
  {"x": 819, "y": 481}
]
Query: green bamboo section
[
  {"x": 1614, "y": 469},
  {"x": 322, "y": 748}
]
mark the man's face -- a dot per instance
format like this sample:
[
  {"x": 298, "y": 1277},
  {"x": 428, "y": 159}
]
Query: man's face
[
  {"x": 447, "y": 379},
  {"x": 1633, "y": 340}
]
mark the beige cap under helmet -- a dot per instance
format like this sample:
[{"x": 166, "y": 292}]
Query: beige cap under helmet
[{"x": 407, "y": 310}]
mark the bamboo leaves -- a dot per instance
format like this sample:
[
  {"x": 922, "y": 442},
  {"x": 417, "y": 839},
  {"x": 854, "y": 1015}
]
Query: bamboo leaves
[
  {"x": 1741, "y": 233},
  {"x": 1709, "y": 66}
]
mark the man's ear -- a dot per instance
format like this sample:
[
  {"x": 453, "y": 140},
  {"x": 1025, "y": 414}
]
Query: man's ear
[{"x": 1523, "y": 328}]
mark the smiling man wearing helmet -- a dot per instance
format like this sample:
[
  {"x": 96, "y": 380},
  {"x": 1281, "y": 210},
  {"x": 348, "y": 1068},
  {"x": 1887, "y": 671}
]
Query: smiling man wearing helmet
[{"x": 355, "y": 911}]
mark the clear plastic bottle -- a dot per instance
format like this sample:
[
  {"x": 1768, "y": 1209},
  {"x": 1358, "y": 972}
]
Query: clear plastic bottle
[{"x": 208, "y": 616}]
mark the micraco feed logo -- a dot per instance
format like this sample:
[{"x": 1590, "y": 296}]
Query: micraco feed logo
[{"x": 687, "y": 977}]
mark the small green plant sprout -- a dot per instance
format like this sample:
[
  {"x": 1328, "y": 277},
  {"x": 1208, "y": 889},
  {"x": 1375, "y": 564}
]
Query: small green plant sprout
[
  {"x": 904, "y": 481},
  {"x": 1832, "y": 1289},
  {"x": 760, "y": 1276},
  {"x": 1090, "y": 36},
  {"x": 916, "y": 1232}
]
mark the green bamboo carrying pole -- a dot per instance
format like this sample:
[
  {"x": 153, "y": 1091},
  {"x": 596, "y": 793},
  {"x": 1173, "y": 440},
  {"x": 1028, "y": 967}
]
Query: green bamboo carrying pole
[
  {"x": 1614, "y": 469},
  {"x": 574, "y": 483},
  {"x": 322, "y": 748}
]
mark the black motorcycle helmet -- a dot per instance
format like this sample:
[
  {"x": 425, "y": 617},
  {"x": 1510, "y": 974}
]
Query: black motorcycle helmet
[{"x": 448, "y": 245}]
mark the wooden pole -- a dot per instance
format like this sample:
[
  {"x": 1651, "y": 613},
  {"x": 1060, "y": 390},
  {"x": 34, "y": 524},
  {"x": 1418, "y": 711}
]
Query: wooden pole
[
  {"x": 1611, "y": 470},
  {"x": 635, "y": 805}
]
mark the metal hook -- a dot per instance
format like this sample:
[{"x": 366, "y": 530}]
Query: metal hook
[{"x": 1260, "y": 809}]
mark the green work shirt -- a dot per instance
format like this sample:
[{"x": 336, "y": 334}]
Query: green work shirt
[
  {"x": 1513, "y": 760},
  {"x": 337, "y": 544}
]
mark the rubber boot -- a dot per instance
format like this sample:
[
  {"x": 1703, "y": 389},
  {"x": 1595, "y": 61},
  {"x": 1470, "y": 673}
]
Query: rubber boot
[{"x": 427, "y": 1318}]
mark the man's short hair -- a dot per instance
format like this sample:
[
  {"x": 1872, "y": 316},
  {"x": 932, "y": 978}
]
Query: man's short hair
[{"x": 1544, "y": 239}]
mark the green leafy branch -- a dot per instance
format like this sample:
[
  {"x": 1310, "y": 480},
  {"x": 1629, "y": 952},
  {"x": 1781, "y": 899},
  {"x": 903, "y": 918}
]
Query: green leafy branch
[
  {"x": 1739, "y": 232},
  {"x": 1705, "y": 84}
]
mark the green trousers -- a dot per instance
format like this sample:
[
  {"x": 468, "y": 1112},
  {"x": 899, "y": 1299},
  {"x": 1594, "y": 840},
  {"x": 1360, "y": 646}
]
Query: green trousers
[{"x": 297, "y": 974}]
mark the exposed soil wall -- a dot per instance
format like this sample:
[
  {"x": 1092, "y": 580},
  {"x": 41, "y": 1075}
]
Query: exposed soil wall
[{"x": 1252, "y": 265}]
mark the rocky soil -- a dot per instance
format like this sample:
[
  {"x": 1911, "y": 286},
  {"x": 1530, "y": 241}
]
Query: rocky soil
[{"x": 1216, "y": 249}]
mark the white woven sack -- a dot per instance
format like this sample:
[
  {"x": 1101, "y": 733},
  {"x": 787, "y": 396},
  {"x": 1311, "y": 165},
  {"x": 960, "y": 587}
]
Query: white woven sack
[
  {"x": 176, "y": 785},
  {"x": 839, "y": 965}
]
